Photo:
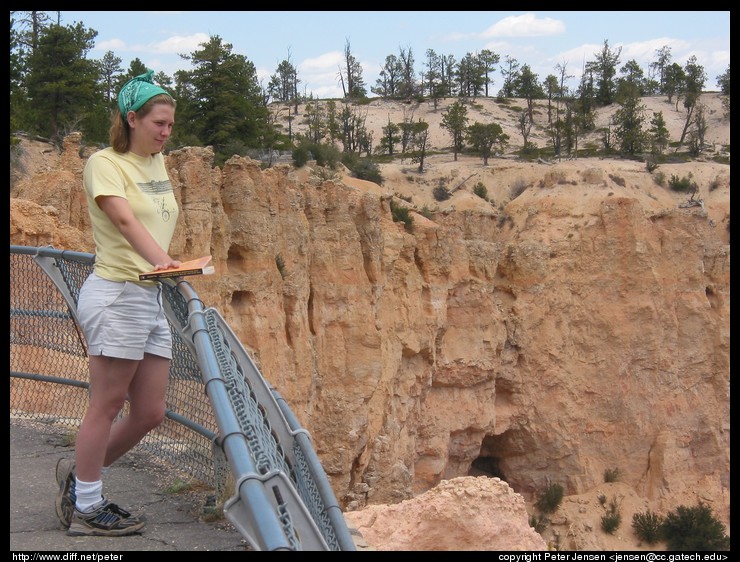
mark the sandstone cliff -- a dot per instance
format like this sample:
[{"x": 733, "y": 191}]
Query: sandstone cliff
[{"x": 580, "y": 327}]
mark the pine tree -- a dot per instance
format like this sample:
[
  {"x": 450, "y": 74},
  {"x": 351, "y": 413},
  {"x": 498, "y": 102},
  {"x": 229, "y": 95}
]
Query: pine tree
[
  {"x": 455, "y": 120},
  {"x": 62, "y": 83},
  {"x": 225, "y": 105}
]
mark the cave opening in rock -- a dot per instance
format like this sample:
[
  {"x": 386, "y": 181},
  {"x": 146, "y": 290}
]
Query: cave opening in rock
[
  {"x": 487, "y": 466},
  {"x": 499, "y": 455}
]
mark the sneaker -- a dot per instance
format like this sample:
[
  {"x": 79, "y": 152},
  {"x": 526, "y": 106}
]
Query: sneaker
[
  {"x": 108, "y": 520},
  {"x": 66, "y": 496}
]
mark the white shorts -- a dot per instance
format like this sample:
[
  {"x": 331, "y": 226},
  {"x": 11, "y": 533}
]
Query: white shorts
[{"x": 123, "y": 319}]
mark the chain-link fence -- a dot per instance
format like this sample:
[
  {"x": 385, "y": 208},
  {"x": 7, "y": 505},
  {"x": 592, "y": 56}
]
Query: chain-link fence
[{"x": 225, "y": 425}]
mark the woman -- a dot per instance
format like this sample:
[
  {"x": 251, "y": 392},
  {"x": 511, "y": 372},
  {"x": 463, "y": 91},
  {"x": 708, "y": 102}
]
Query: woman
[{"x": 133, "y": 212}]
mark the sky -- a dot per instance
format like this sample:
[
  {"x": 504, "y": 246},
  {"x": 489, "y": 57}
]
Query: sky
[{"x": 314, "y": 41}]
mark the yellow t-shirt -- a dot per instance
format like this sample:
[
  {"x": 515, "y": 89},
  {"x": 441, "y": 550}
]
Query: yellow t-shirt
[{"x": 144, "y": 182}]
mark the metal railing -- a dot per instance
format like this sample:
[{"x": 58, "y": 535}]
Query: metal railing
[{"x": 225, "y": 425}]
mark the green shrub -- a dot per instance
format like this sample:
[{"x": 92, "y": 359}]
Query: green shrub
[
  {"x": 647, "y": 526},
  {"x": 441, "y": 194},
  {"x": 694, "y": 528},
  {"x": 369, "y": 171},
  {"x": 426, "y": 213},
  {"x": 280, "y": 263},
  {"x": 177, "y": 485},
  {"x": 401, "y": 214},
  {"x": 322, "y": 174},
  {"x": 324, "y": 154},
  {"x": 363, "y": 169},
  {"x": 538, "y": 522},
  {"x": 550, "y": 499},
  {"x": 682, "y": 184},
  {"x": 481, "y": 191},
  {"x": 659, "y": 179},
  {"x": 611, "y": 521},
  {"x": 611, "y": 475},
  {"x": 301, "y": 155},
  {"x": 529, "y": 151}
]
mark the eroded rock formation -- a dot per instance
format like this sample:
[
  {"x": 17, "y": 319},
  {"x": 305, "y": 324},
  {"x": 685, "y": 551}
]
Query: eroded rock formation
[{"x": 583, "y": 327}]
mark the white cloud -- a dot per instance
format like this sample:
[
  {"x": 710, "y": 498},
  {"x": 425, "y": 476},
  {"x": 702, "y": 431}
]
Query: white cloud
[
  {"x": 527, "y": 25},
  {"x": 331, "y": 59},
  {"x": 171, "y": 46},
  {"x": 177, "y": 44},
  {"x": 320, "y": 75},
  {"x": 648, "y": 50},
  {"x": 110, "y": 45},
  {"x": 720, "y": 58}
]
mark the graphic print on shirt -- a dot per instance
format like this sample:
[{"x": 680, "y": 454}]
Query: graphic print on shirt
[{"x": 157, "y": 191}]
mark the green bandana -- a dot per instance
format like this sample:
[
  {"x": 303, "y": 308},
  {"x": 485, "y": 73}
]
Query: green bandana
[{"x": 137, "y": 91}]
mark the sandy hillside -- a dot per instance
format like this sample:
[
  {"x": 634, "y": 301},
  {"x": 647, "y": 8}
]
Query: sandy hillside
[
  {"x": 378, "y": 113},
  {"x": 595, "y": 177},
  {"x": 402, "y": 178}
]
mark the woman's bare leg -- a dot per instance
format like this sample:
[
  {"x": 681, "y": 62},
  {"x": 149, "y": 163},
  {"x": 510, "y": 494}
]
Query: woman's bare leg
[
  {"x": 146, "y": 395},
  {"x": 110, "y": 379}
]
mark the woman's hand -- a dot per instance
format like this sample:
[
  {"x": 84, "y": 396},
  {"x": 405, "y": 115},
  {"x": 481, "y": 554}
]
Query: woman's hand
[{"x": 171, "y": 264}]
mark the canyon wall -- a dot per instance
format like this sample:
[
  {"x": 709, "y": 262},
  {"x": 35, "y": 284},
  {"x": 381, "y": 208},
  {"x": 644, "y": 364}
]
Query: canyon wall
[{"x": 582, "y": 327}]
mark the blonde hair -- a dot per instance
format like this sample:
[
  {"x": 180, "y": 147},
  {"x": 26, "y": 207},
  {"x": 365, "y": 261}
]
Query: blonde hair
[{"x": 119, "y": 134}]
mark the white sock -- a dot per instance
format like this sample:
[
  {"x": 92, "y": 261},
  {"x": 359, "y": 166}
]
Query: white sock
[{"x": 88, "y": 494}]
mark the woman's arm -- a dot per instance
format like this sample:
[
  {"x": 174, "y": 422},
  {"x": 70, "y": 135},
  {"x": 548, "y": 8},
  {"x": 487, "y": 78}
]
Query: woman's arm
[{"x": 119, "y": 212}]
